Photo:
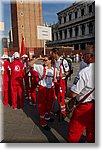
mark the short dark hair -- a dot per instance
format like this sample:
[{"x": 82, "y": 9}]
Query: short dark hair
[
  {"x": 50, "y": 58},
  {"x": 55, "y": 51}
]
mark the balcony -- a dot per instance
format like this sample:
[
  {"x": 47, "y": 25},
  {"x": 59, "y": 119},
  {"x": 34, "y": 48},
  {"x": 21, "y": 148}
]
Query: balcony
[
  {"x": 73, "y": 39},
  {"x": 82, "y": 18}
]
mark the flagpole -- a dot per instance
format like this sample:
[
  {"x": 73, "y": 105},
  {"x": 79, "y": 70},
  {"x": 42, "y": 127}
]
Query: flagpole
[{"x": 44, "y": 47}]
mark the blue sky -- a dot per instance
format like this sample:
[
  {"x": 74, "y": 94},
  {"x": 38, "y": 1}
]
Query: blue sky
[{"x": 49, "y": 10}]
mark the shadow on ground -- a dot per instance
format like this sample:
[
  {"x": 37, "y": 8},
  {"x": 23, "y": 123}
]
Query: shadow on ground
[{"x": 59, "y": 130}]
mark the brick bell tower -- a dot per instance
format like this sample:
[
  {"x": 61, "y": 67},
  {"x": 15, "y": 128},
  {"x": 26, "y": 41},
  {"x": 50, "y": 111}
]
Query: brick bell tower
[{"x": 26, "y": 15}]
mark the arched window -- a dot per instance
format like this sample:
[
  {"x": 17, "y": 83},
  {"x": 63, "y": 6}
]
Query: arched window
[
  {"x": 76, "y": 31},
  {"x": 61, "y": 35},
  {"x": 90, "y": 28},
  {"x": 65, "y": 33},
  {"x": 56, "y": 36},
  {"x": 70, "y": 17},
  {"x": 90, "y": 8},
  {"x": 83, "y": 29},
  {"x": 64, "y": 19},
  {"x": 70, "y": 32},
  {"x": 82, "y": 12},
  {"x": 76, "y": 14}
]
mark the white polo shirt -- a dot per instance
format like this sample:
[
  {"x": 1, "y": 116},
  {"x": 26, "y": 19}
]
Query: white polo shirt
[
  {"x": 48, "y": 79},
  {"x": 83, "y": 64},
  {"x": 84, "y": 82},
  {"x": 58, "y": 64}
]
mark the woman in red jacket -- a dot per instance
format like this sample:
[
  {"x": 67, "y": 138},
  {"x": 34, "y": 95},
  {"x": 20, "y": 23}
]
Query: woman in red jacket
[{"x": 5, "y": 77}]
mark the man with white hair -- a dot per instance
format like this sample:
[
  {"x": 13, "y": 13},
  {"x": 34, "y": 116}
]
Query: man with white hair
[
  {"x": 5, "y": 78},
  {"x": 17, "y": 73}
]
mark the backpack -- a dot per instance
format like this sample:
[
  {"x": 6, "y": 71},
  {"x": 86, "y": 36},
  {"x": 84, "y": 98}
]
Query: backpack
[{"x": 70, "y": 67}]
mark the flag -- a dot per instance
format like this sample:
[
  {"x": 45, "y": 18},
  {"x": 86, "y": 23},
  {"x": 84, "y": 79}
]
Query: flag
[{"x": 23, "y": 51}]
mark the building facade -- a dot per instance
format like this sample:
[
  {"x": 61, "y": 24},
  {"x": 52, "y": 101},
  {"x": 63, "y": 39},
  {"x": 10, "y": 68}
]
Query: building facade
[
  {"x": 25, "y": 18},
  {"x": 75, "y": 27},
  {"x": 5, "y": 42}
]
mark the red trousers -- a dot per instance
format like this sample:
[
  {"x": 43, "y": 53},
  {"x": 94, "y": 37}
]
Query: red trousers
[
  {"x": 31, "y": 90},
  {"x": 61, "y": 96},
  {"x": 34, "y": 84},
  {"x": 83, "y": 118},
  {"x": 45, "y": 99},
  {"x": 5, "y": 92},
  {"x": 17, "y": 94}
]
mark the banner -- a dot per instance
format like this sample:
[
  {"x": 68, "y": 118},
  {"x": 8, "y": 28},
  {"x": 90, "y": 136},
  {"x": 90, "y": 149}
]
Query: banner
[{"x": 44, "y": 33}]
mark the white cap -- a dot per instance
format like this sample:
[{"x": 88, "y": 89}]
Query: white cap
[
  {"x": 26, "y": 56},
  {"x": 4, "y": 56},
  {"x": 16, "y": 55}
]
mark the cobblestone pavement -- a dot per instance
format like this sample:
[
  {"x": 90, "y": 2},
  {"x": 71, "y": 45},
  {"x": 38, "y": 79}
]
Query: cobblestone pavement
[{"x": 22, "y": 125}]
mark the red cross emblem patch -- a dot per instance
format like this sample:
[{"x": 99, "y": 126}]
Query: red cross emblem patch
[{"x": 17, "y": 68}]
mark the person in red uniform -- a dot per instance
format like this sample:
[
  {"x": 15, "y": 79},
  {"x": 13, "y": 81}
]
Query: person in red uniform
[
  {"x": 17, "y": 74},
  {"x": 5, "y": 77},
  {"x": 84, "y": 114},
  {"x": 24, "y": 59},
  {"x": 62, "y": 71},
  {"x": 31, "y": 80},
  {"x": 34, "y": 83},
  {"x": 46, "y": 90}
]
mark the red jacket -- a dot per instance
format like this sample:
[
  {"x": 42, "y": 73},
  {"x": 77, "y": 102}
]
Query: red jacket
[
  {"x": 17, "y": 72},
  {"x": 6, "y": 73},
  {"x": 35, "y": 76}
]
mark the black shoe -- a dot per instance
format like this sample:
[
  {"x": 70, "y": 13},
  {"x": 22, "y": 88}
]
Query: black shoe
[
  {"x": 51, "y": 120},
  {"x": 47, "y": 128},
  {"x": 58, "y": 112}
]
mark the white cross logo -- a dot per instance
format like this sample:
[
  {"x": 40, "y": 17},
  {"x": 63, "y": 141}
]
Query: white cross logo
[{"x": 17, "y": 68}]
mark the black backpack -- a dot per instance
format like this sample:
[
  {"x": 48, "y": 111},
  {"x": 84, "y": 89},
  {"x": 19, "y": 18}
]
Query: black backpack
[{"x": 70, "y": 67}]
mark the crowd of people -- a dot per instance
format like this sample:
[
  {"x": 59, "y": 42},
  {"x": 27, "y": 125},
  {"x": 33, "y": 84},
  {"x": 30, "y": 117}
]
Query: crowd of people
[{"x": 50, "y": 75}]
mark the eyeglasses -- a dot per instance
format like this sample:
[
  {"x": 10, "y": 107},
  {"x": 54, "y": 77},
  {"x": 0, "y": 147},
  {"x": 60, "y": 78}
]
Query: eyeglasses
[{"x": 45, "y": 60}]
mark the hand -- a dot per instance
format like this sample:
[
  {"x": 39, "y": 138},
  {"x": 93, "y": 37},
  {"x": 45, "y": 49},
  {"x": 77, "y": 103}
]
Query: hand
[
  {"x": 72, "y": 103},
  {"x": 61, "y": 75},
  {"x": 40, "y": 58},
  {"x": 55, "y": 80},
  {"x": 66, "y": 101}
]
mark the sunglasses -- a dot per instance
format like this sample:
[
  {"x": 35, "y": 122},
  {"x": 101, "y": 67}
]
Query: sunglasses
[{"x": 45, "y": 60}]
